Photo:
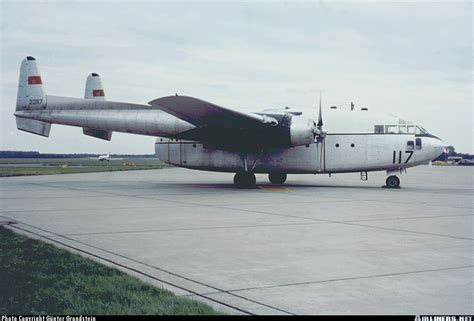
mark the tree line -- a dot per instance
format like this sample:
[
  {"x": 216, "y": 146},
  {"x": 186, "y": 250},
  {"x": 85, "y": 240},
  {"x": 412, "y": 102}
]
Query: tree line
[{"x": 35, "y": 154}]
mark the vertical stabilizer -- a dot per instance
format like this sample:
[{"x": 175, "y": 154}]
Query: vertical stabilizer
[
  {"x": 94, "y": 88},
  {"x": 30, "y": 86}
]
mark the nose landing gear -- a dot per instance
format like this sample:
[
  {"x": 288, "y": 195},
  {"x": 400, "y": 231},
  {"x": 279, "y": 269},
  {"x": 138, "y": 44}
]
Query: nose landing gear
[{"x": 392, "y": 181}]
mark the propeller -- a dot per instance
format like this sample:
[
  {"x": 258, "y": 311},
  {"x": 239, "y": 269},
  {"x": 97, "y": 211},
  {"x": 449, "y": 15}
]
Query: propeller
[
  {"x": 319, "y": 133},
  {"x": 320, "y": 117},
  {"x": 320, "y": 137}
]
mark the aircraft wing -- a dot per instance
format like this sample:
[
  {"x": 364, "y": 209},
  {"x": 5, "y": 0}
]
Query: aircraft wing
[
  {"x": 224, "y": 128},
  {"x": 204, "y": 114}
]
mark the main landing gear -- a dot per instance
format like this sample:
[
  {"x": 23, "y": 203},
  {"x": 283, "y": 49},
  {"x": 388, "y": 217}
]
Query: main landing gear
[
  {"x": 392, "y": 182},
  {"x": 244, "y": 179},
  {"x": 277, "y": 178},
  {"x": 247, "y": 179}
]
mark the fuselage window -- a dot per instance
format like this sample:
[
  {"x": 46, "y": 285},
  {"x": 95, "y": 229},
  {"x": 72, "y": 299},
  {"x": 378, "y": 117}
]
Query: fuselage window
[
  {"x": 410, "y": 145},
  {"x": 378, "y": 129},
  {"x": 418, "y": 143},
  {"x": 337, "y": 145},
  {"x": 352, "y": 145}
]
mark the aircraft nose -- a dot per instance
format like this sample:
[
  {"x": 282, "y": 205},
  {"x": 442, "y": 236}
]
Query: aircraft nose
[{"x": 438, "y": 147}]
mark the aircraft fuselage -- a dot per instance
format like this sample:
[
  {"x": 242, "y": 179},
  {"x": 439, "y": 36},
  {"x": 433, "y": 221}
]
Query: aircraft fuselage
[{"x": 338, "y": 153}]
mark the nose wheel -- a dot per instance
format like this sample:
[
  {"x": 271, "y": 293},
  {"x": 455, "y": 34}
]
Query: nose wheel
[
  {"x": 277, "y": 178},
  {"x": 392, "y": 182},
  {"x": 244, "y": 179}
]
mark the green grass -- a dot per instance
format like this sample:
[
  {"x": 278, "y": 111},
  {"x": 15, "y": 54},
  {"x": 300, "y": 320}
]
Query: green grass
[
  {"x": 28, "y": 171},
  {"x": 39, "y": 278},
  {"x": 32, "y": 166}
]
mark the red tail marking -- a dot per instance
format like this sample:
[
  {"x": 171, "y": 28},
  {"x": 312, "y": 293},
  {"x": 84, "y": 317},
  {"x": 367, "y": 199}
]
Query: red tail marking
[
  {"x": 98, "y": 93},
  {"x": 34, "y": 80}
]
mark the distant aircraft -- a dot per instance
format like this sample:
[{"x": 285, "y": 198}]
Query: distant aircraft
[
  {"x": 106, "y": 157},
  {"x": 196, "y": 134},
  {"x": 466, "y": 162}
]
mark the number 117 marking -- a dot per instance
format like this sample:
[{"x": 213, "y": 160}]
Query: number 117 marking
[{"x": 410, "y": 152}]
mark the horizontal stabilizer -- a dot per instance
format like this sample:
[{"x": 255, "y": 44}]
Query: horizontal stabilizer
[
  {"x": 102, "y": 134},
  {"x": 33, "y": 126}
]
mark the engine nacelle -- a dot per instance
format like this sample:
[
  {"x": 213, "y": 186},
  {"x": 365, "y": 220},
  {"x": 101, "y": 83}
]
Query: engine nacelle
[{"x": 301, "y": 131}]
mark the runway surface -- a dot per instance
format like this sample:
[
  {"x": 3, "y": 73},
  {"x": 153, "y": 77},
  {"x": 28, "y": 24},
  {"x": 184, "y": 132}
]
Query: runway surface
[{"x": 316, "y": 245}]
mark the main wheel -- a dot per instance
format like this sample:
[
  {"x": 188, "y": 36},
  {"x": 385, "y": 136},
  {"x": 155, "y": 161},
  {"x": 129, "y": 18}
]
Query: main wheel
[
  {"x": 244, "y": 179},
  {"x": 277, "y": 178},
  {"x": 393, "y": 181}
]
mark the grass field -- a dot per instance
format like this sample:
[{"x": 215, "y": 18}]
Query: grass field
[
  {"x": 39, "y": 278},
  {"x": 36, "y": 166}
]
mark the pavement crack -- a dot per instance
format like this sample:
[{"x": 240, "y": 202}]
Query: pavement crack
[{"x": 345, "y": 279}]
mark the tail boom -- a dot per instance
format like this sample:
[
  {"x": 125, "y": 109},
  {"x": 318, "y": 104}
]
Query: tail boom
[
  {"x": 36, "y": 111},
  {"x": 98, "y": 115}
]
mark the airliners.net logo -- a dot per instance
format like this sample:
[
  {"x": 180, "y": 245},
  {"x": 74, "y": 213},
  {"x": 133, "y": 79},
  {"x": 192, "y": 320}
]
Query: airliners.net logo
[{"x": 442, "y": 318}]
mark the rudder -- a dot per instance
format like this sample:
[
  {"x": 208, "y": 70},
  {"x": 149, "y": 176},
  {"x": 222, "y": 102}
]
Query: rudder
[
  {"x": 31, "y": 96},
  {"x": 94, "y": 88},
  {"x": 30, "y": 86}
]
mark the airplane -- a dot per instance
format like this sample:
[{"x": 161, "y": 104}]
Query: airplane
[
  {"x": 105, "y": 157},
  {"x": 466, "y": 162},
  {"x": 197, "y": 134}
]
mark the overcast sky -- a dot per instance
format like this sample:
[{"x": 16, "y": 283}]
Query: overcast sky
[{"x": 413, "y": 59}]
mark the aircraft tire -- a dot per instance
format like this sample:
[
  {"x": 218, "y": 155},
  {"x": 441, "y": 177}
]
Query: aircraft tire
[
  {"x": 277, "y": 178},
  {"x": 392, "y": 182},
  {"x": 244, "y": 179}
]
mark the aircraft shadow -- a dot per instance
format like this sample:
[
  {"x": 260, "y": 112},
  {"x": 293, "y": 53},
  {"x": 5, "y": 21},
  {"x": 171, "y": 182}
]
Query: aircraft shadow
[{"x": 228, "y": 186}]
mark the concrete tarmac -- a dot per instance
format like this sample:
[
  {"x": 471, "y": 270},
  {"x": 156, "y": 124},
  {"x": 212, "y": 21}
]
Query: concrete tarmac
[{"x": 317, "y": 245}]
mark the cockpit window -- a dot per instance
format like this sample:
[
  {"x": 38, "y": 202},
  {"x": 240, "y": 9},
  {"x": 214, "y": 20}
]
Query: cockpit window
[
  {"x": 401, "y": 127},
  {"x": 378, "y": 129},
  {"x": 421, "y": 130},
  {"x": 391, "y": 129}
]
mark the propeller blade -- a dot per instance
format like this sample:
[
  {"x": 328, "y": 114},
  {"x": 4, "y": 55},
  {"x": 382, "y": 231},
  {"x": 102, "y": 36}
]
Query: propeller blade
[{"x": 320, "y": 118}]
